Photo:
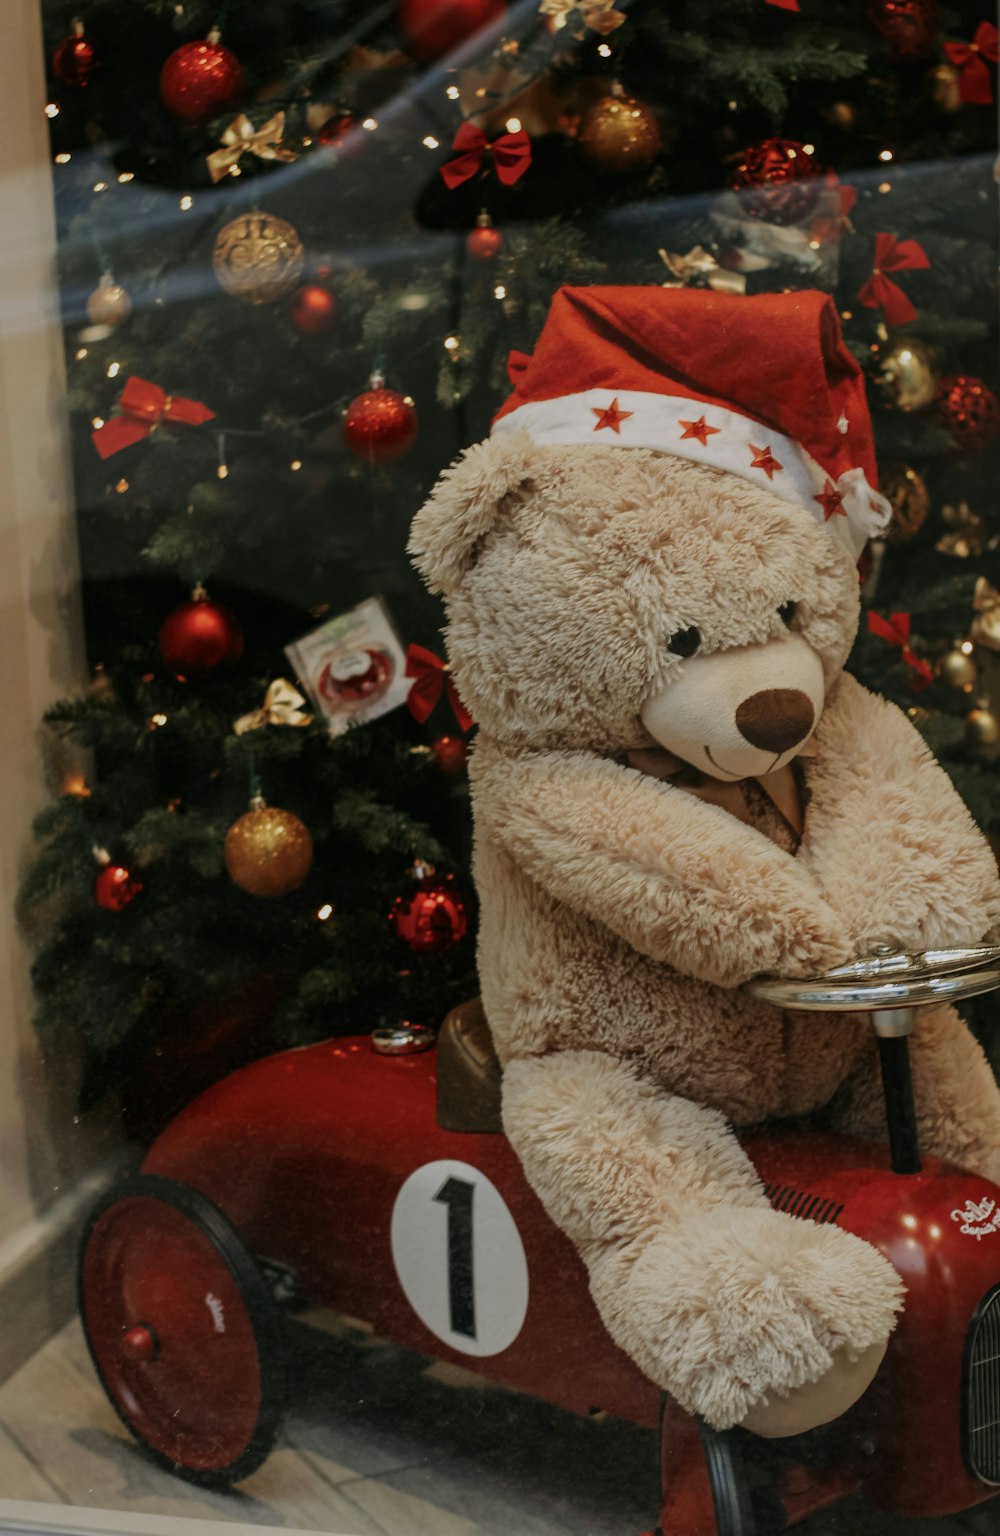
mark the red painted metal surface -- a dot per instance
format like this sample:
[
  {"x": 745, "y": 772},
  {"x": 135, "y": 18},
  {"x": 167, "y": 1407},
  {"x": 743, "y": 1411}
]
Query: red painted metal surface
[
  {"x": 305, "y": 1153},
  {"x": 908, "y": 1426},
  {"x": 155, "y": 1293}
]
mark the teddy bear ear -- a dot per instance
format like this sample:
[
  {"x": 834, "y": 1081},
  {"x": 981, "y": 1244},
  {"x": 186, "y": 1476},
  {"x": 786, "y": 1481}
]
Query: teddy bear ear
[{"x": 465, "y": 504}]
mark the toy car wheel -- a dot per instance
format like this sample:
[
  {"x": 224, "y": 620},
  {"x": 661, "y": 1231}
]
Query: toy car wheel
[
  {"x": 734, "y": 1512},
  {"x": 182, "y": 1329}
]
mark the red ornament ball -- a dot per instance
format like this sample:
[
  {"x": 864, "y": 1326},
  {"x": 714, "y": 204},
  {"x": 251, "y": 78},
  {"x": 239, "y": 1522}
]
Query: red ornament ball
[
  {"x": 200, "y": 79},
  {"x": 484, "y": 243},
  {"x": 336, "y": 128},
  {"x": 75, "y": 59},
  {"x": 199, "y": 636},
  {"x": 970, "y": 410},
  {"x": 380, "y": 425},
  {"x": 779, "y": 180},
  {"x": 313, "y": 309},
  {"x": 451, "y": 753},
  {"x": 431, "y": 918},
  {"x": 115, "y": 888},
  {"x": 910, "y": 27},
  {"x": 434, "y": 27}
]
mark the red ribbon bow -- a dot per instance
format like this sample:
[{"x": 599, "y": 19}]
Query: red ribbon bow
[
  {"x": 511, "y": 154},
  {"x": 431, "y": 678},
  {"x": 974, "y": 82},
  {"x": 880, "y": 292},
  {"x": 784, "y": 5},
  {"x": 896, "y": 630},
  {"x": 144, "y": 406}
]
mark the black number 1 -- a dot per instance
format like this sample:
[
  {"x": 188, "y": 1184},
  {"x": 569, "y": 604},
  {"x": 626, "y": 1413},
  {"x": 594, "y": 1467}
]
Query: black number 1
[{"x": 457, "y": 1195}]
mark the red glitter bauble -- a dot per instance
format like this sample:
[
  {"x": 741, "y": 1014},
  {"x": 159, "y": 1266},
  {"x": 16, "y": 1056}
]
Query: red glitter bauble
[
  {"x": 200, "y": 79},
  {"x": 115, "y": 888},
  {"x": 432, "y": 917},
  {"x": 451, "y": 753},
  {"x": 336, "y": 128},
  {"x": 434, "y": 27},
  {"x": 312, "y": 309},
  {"x": 380, "y": 425},
  {"x": 75, "y": 59},
  {"x": 910, "y": 27},
  {"x": 970, "y": 410},
  {"x": 484, "y": 242},
  {"x": 199, "y": 636},
  {"x": 779, "y": 180}
]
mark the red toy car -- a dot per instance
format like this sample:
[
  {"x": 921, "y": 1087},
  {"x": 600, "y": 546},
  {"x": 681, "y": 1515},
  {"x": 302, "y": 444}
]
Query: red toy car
[{"x": 324, "y": 1175}]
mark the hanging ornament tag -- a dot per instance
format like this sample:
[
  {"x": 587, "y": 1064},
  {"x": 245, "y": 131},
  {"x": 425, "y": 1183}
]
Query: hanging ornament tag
[{"x": 352, "y": 666}]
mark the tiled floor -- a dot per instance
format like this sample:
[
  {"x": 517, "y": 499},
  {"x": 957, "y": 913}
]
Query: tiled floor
[{"x": 378, "y": 1443}]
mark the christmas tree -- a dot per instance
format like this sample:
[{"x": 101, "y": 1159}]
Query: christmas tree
[{"x": 298, "y": 242}]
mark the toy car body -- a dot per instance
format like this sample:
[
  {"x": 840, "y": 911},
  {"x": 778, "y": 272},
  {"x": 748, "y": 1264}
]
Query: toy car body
[{"x": 323, "y": 1173}]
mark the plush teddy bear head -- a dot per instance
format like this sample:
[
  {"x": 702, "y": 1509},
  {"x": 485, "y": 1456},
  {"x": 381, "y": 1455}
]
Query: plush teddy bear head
[{"x": 605, "y": 591}]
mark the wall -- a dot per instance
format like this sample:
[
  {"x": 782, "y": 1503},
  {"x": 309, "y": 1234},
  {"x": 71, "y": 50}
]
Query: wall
[{"x": 45, "y": 1159}]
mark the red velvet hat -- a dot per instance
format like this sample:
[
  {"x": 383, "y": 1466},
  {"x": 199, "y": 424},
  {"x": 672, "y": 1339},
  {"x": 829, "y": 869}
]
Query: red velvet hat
[{"x": 763, "y": 387}]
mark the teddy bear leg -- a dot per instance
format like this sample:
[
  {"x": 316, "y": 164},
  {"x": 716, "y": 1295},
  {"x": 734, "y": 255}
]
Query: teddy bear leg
[
  {"x": 956, "y": 1094},
  {"x": 722, "y": 1301}
]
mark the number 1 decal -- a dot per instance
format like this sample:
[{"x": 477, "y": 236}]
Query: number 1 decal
[
  {"x": 459, "y": 1257},
  {"x": 457, "y": 1195}
]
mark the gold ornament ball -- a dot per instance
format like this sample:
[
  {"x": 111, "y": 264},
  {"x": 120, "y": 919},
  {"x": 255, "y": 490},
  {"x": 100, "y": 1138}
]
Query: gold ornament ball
[
  {"x": 269, "y": 852},
  {"x": 957, "y": 670},
  {"x": 619, "y": 136},
  {"x": 906, "y": 374},
  {"x": 109, "y": 304},
  {"x": 911, "y": 502},
  {"x": 258, "y": 258},
  {"x": 982, "y": 731}
]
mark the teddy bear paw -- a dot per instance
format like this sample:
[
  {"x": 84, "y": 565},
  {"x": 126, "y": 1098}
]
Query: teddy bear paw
[{"x": 736, "y": 1308}]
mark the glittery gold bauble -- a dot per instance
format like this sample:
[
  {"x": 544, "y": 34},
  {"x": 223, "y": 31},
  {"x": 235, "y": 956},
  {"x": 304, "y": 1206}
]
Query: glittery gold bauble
[
  {"x": 109, "y": 304},
  {"x": 982, "y": 731},
  {"x": 618, "y": 136},
  {"x": 957, "y": 670},
  {"x": 945, "y": 83},
  {"x": 904, "y": 487},
  {"x": 905, "y": 373},
  {"x": 258, "y": 258},
  {"x": 268, "y": 851}
]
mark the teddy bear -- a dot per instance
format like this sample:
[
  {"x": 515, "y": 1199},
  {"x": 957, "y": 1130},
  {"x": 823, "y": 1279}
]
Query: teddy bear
[{"x": 651, "y": 585}]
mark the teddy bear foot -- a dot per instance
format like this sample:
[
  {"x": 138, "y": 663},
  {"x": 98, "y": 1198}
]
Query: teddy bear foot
[{"x": 816, "y": 1402}]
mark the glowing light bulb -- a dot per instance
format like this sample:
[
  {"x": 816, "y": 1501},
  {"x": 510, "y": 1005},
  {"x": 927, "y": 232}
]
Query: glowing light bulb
[
  {"x": 513, "y": 125},
  {"x": 186, "y": 202},
  {"x": 430, "y": 142},
  {"x": 51, "y": 110},
  {"x": 451, "y": 343},
  {"x": 113, "y": 370},
  {"x": 325, "y": 911},
  {"x": 371, "y": 123}
]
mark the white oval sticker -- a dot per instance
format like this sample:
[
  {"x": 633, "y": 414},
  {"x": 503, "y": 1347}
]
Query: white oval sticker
[{"x": 459, "y": 1257}]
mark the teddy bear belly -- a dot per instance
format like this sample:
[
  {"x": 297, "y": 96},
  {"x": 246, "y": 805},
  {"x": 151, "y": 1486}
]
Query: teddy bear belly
[{"x": 554, "y": 980}]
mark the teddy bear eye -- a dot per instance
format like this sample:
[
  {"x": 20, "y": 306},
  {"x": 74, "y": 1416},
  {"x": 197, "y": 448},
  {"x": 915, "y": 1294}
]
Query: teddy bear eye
[
  {"x": 685, "y": 642},
  {"x": 786, "y": 612}
]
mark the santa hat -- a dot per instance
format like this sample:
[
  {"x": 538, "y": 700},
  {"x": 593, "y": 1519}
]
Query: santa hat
[{"x": 763, "y": 387}]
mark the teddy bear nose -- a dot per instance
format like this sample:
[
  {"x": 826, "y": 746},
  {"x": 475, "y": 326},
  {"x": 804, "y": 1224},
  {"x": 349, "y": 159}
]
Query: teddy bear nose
[{"x": 776, "y": 718}]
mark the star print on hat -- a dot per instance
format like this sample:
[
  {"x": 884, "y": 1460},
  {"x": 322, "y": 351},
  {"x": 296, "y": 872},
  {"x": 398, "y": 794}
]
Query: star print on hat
[{"x": 762, "y": 387}]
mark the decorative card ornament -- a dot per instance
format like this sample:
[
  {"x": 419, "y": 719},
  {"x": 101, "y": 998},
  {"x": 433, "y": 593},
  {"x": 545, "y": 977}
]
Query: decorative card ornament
[{"x": 353, "y": 666}]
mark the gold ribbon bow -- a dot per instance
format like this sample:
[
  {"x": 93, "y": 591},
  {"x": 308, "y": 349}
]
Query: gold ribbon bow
[
  {"x": 986, "y": 625},
  {"x": 240, "y": 136},
  {"x": 599, "y": 15},
  {"x": 966, "y": 532},
  {"x": 282, "y": 706},
  {"x": 699, "y": 268}
]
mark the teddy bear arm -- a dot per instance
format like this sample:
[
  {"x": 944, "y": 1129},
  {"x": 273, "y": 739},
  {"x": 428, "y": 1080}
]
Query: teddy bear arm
[
  {"x": 888, "y": 838},
  {"x": 678, "y": 880},
  {"x": 722, "y": 1301}
]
